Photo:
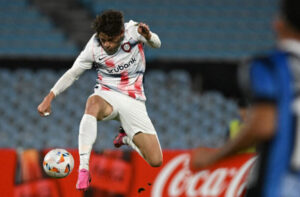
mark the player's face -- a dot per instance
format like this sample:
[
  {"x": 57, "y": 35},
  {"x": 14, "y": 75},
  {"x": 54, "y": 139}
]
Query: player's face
[{"x": 110, "y": 43}]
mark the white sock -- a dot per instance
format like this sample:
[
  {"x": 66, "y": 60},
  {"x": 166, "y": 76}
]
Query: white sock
[
  {"x": 86, "y": 139},
  {"x": 130, "y": 143}
]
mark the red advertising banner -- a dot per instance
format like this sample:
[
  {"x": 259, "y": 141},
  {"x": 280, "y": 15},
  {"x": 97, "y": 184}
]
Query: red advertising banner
[
  {"x": 110, "y": 174},
  {"x": 8, "y": 162},
  {"x": 45, "y": 187},
  {"x": 174, "y": 178},
  {"x": 113, "y": 176}
]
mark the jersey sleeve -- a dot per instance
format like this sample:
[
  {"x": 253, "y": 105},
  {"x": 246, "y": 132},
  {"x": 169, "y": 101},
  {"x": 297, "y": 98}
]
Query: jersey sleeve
[
  {"x": 86, "y": 57},
  {"x": 257, "y": 80},
  {"x": 67, "y": 80},
  {"x": 132, "y": 27},
  {"x": 83, "y": 62}
]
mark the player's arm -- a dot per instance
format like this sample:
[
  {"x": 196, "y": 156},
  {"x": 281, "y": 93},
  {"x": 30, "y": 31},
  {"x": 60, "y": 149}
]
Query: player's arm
[
  {"x": 261, "y": 121},
  {"x": 83, "y": 62},
  {"x": 148, "y": 37},
  {"x": 66, "y": 80}
]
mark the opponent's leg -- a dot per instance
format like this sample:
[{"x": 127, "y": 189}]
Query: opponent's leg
[{"x": 96, "y": 109}]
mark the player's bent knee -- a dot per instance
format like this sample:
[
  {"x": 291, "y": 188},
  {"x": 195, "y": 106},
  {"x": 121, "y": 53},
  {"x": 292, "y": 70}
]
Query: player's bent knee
[
  {"x": 92, "y": 106},
  {"x": 156, "y": 164},
  {"x": 156, "y": 161},
  {"x": 97, "y": 107},
  {"x": 150, "y": 148}
]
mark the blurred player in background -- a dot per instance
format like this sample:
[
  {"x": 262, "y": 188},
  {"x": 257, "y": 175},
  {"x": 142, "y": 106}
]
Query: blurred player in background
[
  {"x": 116, "y": 50},
  {"x": 274, "y": 120},
  {"x": 236, "y": 125}
]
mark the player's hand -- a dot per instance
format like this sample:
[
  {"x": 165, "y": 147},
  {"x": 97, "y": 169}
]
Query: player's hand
[
  {"x": 144, "y": 30},
  {"x": 44, "y": 109},
  {"x": 202, "y": 158}
]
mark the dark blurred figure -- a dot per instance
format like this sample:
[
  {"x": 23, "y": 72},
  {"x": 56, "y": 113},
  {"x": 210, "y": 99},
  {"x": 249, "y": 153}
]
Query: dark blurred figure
[{"x": 273, "y": 85}]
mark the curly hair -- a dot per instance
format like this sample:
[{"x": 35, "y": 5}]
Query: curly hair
[{"x": 110, "y": 22}]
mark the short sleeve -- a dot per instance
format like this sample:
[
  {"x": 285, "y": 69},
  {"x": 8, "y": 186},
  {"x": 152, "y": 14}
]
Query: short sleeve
[
  {"x": 86, "y": 57},
  {"x": 132, "y": 29},
  {"x": 262, "y": 82}
]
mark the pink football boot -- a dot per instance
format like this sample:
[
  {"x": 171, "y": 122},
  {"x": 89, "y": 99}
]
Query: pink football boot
[
  {"x": 83, "y": 180},
  {"x": 118, "y": 141}
]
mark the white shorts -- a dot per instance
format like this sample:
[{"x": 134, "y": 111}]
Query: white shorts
[{"x": 130, "y": 112}]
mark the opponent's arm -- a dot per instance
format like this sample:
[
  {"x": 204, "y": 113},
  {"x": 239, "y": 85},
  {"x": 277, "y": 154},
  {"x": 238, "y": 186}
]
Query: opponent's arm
[
  {"x": 148, "y": 37},
  {"x": 62, "y": 84},
  {"x": 259, "y": 127}
]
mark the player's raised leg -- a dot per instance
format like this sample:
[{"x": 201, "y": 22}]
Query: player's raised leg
[
  {"x": 150, "y": 148},
  {"x": 139, "y": 132},
  {"x": 96, "y": 109},
  {"x": 147, "y": 145}
]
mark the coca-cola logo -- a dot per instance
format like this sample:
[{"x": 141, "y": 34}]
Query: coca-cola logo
[{"x": 176, "y": 179}]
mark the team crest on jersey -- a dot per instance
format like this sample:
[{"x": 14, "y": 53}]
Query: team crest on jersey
[{"x": 126, "y": 47}]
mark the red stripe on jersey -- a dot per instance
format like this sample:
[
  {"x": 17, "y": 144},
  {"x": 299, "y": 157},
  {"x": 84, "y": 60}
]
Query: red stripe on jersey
[
  {"x": 141, "y": 50},
  {"x": 138, "y": 85},
  {"x": 124, "y": 85},
  {"x": 131, "y": 94},
  {"x": 100, "y": 77},
  {"x": 110, "y": 63},
  {"x": 124, "y": 78},
  {"x": 124, "y": 81},
  {"x": 104, "y": 88}
]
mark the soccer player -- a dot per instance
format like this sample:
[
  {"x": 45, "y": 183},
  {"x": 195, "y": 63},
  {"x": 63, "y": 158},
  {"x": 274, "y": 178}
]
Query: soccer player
[
  {"x": 116, "y": 50},
  {"x": 273, "y": 123}
]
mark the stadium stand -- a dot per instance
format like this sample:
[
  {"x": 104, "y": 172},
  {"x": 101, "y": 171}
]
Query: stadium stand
[
  {"x": 70, "y": 16},
  {"x": 199, "y": 29},
  {"x": 26, "y": 32},
  {"x": 176, "y": 112}
]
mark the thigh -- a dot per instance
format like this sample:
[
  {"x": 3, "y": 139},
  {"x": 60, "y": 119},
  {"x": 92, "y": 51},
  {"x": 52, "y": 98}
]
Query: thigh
[
  {"x": 149, "y": 145},
  {"x": 134, "y": 118},
  {"x": 98, "y": 107}
]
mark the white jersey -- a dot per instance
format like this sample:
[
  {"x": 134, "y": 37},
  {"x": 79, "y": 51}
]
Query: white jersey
[{"x": 123, "y": 71}]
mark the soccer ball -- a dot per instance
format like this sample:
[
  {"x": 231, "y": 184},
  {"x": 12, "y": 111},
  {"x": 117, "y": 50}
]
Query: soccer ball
[{"x": 58, "y": 163}]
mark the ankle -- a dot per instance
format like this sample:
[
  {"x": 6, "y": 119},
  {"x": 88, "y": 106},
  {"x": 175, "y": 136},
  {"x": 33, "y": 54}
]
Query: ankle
[{"x": 83, "y": 167}]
